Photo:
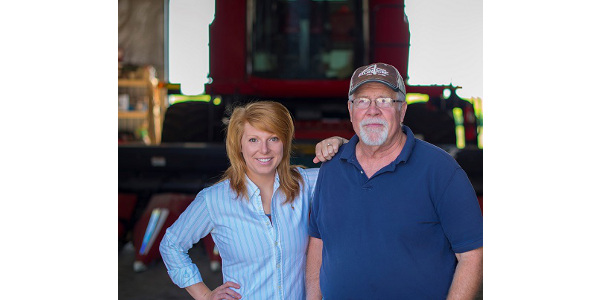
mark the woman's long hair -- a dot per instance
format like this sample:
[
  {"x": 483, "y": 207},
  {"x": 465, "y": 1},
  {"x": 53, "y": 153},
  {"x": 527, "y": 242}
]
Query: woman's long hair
[{"x": 267, "y": 116}]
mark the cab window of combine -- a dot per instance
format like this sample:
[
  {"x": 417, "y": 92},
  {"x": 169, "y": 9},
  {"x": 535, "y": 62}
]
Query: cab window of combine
[{"x": 305, "y": 39}]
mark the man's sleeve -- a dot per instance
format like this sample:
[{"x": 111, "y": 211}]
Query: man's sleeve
[
  {"x": 313, "y": 228},
  {"x": 460, "y": 214}
]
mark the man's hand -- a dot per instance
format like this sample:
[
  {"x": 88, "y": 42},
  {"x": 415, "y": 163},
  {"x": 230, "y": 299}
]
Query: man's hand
[{"x": 327, "y": 148}]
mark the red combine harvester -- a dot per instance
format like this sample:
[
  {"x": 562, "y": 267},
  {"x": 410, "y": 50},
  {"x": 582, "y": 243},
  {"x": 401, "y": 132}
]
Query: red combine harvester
[{"x": 301, "y": 53}]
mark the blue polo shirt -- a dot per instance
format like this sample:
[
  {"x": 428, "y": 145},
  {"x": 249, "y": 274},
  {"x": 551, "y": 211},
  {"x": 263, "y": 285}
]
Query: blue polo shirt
[{"x": 394, "y": 235}]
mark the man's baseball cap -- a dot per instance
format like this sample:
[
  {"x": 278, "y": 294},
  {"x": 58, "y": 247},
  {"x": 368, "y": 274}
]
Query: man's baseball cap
[{"x": 377, "y": 72}]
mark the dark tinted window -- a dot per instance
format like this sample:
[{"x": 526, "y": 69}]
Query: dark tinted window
[{"x": 306, "y": 39}]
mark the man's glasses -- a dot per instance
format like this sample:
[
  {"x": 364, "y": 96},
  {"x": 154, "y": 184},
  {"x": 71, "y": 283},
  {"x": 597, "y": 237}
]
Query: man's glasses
[{"x": 362, "y": 103}]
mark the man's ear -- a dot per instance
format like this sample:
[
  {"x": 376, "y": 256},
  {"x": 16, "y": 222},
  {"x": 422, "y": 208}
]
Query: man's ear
[
  {"x": 403, "y": 111},
  {"x": 350, "y": 110}
]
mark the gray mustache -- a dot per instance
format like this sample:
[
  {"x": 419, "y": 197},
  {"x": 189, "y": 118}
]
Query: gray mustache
[{"x": 374, "y": 121}]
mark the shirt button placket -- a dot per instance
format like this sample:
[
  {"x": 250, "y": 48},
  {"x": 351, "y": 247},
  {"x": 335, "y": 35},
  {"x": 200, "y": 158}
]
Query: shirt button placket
[{"x": 278, "y": 270}]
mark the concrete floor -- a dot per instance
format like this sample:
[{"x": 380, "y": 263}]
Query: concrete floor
[{"x": 155, "y": 284}]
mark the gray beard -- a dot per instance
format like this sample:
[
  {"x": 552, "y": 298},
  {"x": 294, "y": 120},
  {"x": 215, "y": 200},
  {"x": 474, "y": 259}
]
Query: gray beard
[{"x": 373, "y": 137}]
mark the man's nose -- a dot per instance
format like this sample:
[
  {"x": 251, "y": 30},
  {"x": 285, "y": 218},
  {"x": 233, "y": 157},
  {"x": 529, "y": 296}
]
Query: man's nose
[{"x": 373, "y": 109}]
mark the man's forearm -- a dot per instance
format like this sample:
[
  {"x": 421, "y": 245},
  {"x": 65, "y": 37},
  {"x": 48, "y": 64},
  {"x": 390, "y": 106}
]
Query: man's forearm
[
  {"x": 313, "y": 267},
  {"x": 467, "y": 276}
]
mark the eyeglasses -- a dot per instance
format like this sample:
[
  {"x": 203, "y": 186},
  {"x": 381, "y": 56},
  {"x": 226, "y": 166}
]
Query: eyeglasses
[{"x": 362, "y": 103}]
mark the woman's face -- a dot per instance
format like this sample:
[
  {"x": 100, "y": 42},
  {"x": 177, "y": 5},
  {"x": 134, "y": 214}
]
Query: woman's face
[{"x": 262, "y": 152}]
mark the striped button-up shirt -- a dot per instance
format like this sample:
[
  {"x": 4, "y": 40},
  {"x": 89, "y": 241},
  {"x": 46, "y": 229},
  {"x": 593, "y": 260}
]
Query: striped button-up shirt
[{"x": 266, "y": 258}]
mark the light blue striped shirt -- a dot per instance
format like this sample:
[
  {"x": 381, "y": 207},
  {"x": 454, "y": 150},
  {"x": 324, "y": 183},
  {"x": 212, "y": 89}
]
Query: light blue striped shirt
[{"x": 266, "y": 259}]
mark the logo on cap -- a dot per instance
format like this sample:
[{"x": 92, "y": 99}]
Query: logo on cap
[{"x": 373, "y": 70}]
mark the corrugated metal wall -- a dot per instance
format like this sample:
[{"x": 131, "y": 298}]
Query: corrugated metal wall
[{"x": 141, "y": 33}]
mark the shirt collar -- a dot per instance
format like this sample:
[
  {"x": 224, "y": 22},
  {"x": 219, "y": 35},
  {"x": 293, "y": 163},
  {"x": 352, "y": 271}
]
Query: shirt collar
[
  {"x": 252, "y": 188},
  {"x": 409, "y": 145}
]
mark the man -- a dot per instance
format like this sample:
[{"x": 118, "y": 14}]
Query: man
[{"x": 393, "y": 217}]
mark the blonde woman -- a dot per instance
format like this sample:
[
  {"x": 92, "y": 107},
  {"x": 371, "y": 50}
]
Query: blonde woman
[{"x": 257, "y": 214}]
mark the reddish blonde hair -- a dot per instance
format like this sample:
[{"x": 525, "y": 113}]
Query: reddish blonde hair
[{"x": 267, "y": 116}]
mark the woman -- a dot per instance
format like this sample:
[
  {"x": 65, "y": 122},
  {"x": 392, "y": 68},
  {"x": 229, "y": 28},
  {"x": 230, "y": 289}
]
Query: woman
[{"x": 257, "y": 214}]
